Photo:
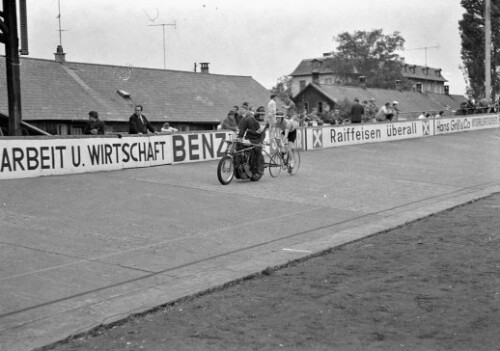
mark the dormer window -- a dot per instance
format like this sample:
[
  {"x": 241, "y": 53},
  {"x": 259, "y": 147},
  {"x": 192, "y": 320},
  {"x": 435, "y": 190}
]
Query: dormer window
[{"x": 316, "y": 64}]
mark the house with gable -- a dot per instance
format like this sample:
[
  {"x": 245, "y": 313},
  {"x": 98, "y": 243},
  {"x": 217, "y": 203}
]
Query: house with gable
[
  {"x": 322, "y": 71},
  {"x": 56, "y": 95},
  {"x": 315, "y": 84},
  {"x": 411, "y": 104}
]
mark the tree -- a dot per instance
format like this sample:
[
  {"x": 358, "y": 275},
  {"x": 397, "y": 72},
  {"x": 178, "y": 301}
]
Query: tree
[
  {"x": 471, "y": 28},
  {"x": 282, "y": 89},
  {"x": 370, "y": 54}
]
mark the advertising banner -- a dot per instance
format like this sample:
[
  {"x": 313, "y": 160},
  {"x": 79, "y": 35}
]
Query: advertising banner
[
  {"x": 352, "y": 134},
  {"x": 465, "y": 123},
  {"x": 194, "y": 147},
  {"x": 22, "y": 158}
]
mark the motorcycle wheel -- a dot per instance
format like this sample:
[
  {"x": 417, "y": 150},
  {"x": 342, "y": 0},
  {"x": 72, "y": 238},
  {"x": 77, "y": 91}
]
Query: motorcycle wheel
[{"x": 225, "y": 170}]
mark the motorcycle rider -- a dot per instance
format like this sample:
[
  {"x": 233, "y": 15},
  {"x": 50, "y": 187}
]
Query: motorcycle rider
[{"x": 251, "y": 131}]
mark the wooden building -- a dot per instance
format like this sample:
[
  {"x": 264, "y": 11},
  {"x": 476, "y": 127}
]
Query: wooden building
[{"x": 57, "y": 95}]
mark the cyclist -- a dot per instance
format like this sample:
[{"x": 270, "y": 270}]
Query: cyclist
[{"x": 288, "y": 134}]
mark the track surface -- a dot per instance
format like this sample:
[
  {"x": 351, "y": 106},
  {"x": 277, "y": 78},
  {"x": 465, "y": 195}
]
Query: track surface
[{"x": 82, "y": 250}]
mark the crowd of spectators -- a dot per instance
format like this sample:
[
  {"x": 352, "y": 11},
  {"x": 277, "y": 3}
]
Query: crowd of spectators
[
  {"x": 351, "y": 112},
  {"x": 470, "y": 107},
  {"x": 347, "y": 112}
]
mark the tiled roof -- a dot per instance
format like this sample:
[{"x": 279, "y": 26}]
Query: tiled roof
[
  {"x": 422, "y": 73},
  {"x": 51, "y": 90},
  {"x": 305, "y": 67},
  {"x": 326, "y": 66},
  {"x": 407, "y": 101}
]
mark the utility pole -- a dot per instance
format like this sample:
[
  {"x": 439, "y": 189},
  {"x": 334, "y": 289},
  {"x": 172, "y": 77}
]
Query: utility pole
[
  {"x": 8, "y": 36},
  {"x": 164, "y": 51},
  {"x": 425, "y": 48},
  {"x": 487, "y": 51}
]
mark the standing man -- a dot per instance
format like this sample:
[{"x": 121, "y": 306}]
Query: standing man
[
  {"x": 138, "y": 123},
  {"x": 357, "y": 111},
  {"x": 94, "y": 125},
  {"x": 271, "y": 115}
]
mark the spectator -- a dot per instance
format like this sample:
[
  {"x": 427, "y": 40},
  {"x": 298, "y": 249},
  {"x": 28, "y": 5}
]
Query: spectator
[
  {"x": 242, "y": 112},
  {"x": 314, "y": 118},
  {"x": 371, "y": 110},
  {"x": 301, "y": 117},
  {"x": 94, "y": 125},
  {"x": 229, "y": 123},
  {"x": 260, "y": 113},
  {"x": 422, "y": 116},
  {"x": 395, "y": 110},
  {"x": 289, "y": 107},
  {"x": 337, "y": 116},
  {"x": 357, "y": 111},
  {"x": 328, "y": 115},
  {"x": 439, "y": 114},
  {"x": 251, "y": 110},
  {"x": 385, "y": 113},
  {"x": 168, "y": 129},
  {"x": 138, "y": 123},
  {"x": 271, "y": 116},
  {"x": 366, "y": 116}
]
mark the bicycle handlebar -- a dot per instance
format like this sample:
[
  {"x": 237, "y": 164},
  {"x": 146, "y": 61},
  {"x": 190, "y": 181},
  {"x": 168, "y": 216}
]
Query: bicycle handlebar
[{"x": 242, "y": 142}]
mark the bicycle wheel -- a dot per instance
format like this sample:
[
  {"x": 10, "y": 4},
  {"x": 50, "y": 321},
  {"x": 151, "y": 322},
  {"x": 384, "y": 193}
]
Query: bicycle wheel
[
  {"x": 225, "y": 170},
  {"x": 275, "y": 165},
  {"x": 296, "y": 156}
]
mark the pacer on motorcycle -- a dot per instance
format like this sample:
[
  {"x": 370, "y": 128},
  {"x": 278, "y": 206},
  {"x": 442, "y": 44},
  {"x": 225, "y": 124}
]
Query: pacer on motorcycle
[{"x": 251, "y": 130}]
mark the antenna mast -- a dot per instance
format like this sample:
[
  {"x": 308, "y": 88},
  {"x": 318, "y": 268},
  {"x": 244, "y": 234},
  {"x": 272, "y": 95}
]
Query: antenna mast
[
  {"x": 59, "y": 18},
  {"x": 164, "y": 50},
  {"x": 425, "y": 48}
]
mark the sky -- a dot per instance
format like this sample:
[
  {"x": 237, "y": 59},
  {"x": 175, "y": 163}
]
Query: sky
[{"x": 265, "y": 39}]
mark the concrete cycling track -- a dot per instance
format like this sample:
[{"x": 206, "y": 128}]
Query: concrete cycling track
[{"x": 84, "y": 250}]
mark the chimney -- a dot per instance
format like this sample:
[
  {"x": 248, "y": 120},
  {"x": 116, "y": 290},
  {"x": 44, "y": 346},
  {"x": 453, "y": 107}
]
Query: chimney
[
  {"x": 399, "y": 86},
  {"x": 204, "y": 67},
  {"x": 60, "y": 54},
  {"x": 195, "y": 67},
  {"x": 316, "y": 65},
  {"x": 447, "y": 89},
  {"x": 418, "y": 87}
]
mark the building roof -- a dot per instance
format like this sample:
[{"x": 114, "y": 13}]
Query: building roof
[
  {"x": 414, "y": 72},
  {"x": 408, "y": 101},
  {"x": 305, "y": 67},
  {"x": 68, "y": 91}
]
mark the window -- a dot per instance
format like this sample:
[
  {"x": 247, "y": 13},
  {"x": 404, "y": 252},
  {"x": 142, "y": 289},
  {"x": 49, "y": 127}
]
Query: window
[
  {"x": 76, "y": 131},
  {"x": 302, "y": 84},
  {"x": 328, "y": 81},
  {"x": 62, "y": 129},
  {"x": 320, "y": 106}
]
